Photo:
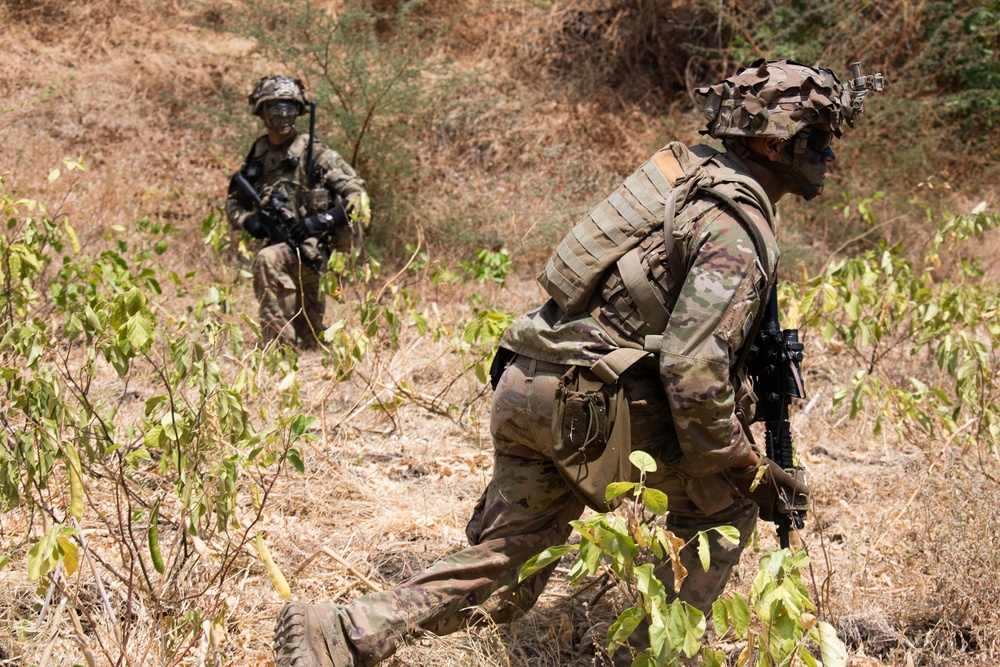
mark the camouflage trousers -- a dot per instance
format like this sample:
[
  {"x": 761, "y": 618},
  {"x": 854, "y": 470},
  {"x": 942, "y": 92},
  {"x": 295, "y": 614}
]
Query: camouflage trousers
[
  {"x": 287, "y": 288},
  {"x": 527, "y": 507}
]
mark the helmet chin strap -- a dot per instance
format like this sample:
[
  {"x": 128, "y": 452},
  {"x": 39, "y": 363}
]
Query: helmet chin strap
[{"x": 791, "y": 170}]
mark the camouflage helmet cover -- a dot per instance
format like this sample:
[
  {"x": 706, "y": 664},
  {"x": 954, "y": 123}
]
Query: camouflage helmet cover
[
  {"x": 272, "y": 88},
  {"x": 776, "y": 99}
]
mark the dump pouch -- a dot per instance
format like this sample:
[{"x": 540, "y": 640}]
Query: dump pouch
[{"x": 591, "y": 436}]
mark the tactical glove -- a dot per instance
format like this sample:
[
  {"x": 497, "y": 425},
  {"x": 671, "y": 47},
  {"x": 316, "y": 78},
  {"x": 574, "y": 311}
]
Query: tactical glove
[
  {"x": 255, "y": 226},
  {"x": 319, "y": 223},
  {"x": 778, "y": 491}
]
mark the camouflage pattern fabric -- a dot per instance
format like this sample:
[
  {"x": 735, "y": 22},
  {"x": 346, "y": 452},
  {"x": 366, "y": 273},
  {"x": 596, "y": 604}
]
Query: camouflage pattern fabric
[
  {"x": 288, "y": 290},
  {"x": 712, "y": 314},
  {"x": 284, "y": 167},
  {"x": 527, "y": 507},
  {"x": 776, "y": 99},
  {"x": 682, "y": 412}
]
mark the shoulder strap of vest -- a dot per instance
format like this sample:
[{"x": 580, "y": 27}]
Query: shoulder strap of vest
[
  {"x": 676, "y": 166},
  {"x": 249, "y": 157},
  {"x": 686, "y": 181}
]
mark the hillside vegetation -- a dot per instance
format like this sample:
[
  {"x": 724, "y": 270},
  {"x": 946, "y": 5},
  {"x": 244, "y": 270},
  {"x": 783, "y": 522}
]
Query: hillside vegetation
[{"x": 163, "y": 479}]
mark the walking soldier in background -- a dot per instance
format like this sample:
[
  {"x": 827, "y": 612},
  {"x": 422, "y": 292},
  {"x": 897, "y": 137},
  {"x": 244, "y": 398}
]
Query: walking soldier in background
[
  {"x": 305, "y": 200},
  {"x": 656, "y": 297}
]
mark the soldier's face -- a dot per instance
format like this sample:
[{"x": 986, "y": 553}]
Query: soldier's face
[
  {"x": 810, "y": 153},
  {"x": 280, "y": 116}
]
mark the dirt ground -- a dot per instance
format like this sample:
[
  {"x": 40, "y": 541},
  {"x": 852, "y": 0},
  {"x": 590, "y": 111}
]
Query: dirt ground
[{"x": 903, "y": 539}]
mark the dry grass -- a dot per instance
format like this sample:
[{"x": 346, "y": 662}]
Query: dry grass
[{"x": 903, "y": 538}]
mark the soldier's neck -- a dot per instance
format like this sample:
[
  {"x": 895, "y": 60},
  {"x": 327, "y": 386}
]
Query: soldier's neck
[
  {"x": 775, "y": 187},
  {"x": 280, "y": 140}
]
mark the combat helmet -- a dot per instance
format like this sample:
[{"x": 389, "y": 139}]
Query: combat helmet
[
  {"x": 778, "y": 99},
  {"x": 274, "y": 88}
]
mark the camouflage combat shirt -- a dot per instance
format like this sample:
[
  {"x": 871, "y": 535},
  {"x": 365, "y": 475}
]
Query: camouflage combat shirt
[
  {"x": 285, "y": 166},
  {"x": 713, "y": 309}
]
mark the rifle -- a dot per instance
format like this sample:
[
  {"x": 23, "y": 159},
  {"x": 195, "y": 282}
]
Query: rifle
[
  {"x": 276, "y": 218},
  {"x": 773, "y": 364}
]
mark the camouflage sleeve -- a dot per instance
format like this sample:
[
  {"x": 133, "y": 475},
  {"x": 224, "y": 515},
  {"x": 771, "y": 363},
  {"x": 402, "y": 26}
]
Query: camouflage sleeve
[
  {"x": 340, "y": 177},
  {"x": 713, "y": 317},
  {"x": 236, "y": 212}
]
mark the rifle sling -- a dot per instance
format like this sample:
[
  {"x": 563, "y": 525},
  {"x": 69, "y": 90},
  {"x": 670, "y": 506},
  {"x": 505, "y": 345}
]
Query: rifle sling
[{"x": 770, "y": 273}]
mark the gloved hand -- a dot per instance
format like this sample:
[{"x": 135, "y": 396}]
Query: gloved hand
[
  {"x": 319, "y": 223},
  {"x": 255, "y": 226},
  {"x": 778, "y": 491}
]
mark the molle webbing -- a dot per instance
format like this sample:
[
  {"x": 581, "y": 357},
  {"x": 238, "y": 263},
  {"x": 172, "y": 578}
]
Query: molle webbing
[
  {"x": 613, "y": 228},
  {"x": 610, "y": 236}
]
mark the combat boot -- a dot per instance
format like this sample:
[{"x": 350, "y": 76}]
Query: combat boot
[{"x": 310, "y": 635}]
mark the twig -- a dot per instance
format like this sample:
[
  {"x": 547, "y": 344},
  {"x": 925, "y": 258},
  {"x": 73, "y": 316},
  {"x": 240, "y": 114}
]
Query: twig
[
  {"x": 375, "y": 588},
  {"x": 56, "y": 618},
  {"x": 606, "y": 584},
  {"x": 97, "y": 577},
  {"x": 81, "y": 639}
]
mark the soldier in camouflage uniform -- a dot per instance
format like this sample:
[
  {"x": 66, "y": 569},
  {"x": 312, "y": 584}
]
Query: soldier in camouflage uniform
[
  {"x": 304, "y": 210},
  {"x": 684, "y": 308}
]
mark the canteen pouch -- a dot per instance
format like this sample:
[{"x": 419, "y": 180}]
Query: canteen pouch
[{"x": 591, "y": 436}]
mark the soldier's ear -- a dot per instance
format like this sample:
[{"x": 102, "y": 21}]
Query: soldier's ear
[
  {"x": 772, "y": 148},
  {"x": 769, "y": 148}
]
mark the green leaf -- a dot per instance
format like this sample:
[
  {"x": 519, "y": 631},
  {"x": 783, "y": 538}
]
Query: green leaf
[
  {"x": 655, "y": 501},
  {"x": 153, "y": 403},
  {"x": 46, "y": 554},
  {"x": 741, "y": 615},
  {"x": 542, "y": 560},
  {"x": 642, "y": 461},
  {"x": 730, "y": 533},
  {"x": 806, "y": 657},
  {"x": 720, "y": 615},
  {"x": 685, "y": 627},
  {"x": 704, "y": 551},
  {"x": 154, "y": 436},
  {"x": 616, "y": 489},
  {"x": 623, "y": 627},
  {"x": 173, "y": 426},
  {"x": 295, "y": 458},
  {"x": 714, "y": 658},
  {"x": 832, "y": 650},
  {"x": 300, "y": 425}
]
